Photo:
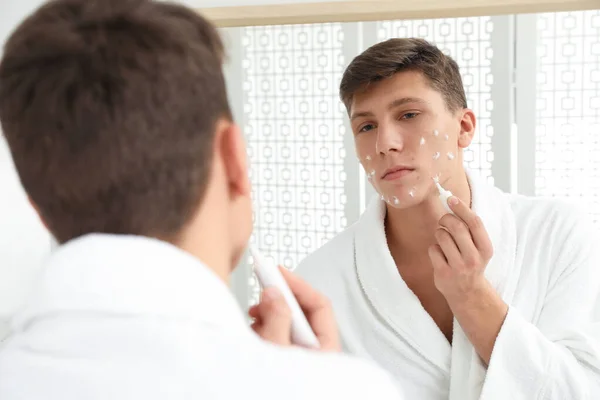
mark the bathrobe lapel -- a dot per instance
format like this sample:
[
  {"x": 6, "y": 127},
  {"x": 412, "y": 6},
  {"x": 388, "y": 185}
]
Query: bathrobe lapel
[
  {"x": 468, "y": 371},
  {"x": 396, "y": 304}
]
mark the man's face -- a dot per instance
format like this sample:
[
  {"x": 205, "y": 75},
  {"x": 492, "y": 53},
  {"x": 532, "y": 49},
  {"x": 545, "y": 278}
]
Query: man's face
[{"x": 405, "y": 136}]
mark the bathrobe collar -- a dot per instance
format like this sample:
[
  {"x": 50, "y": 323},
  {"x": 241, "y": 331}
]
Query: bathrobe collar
[
  {"x": 130, "y": 276},
  {"x": 398, "y": 305}
]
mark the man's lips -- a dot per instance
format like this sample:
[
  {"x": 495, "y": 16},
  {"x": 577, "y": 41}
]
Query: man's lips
[{"x": 396, "y": 173}]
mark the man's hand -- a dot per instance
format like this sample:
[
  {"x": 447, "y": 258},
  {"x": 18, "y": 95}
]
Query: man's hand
[
  {"x": 273, "y": 319},
  {"x": 459, "y": 260},
  {"x": 462, "y": 252}
]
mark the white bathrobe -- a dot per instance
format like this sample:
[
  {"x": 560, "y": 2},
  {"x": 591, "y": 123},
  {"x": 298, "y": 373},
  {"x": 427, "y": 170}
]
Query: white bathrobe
[
  {"x": 130, "y": 318},
  {"x": 546, "y": 267}
]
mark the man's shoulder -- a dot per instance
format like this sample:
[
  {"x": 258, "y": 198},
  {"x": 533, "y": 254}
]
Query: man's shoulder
[
  {"x": 333, "y": 375},
  {"x": 549, "y": 212},
  {"x": 563, "y": 226},
  {"x": 203, "y": 369}
]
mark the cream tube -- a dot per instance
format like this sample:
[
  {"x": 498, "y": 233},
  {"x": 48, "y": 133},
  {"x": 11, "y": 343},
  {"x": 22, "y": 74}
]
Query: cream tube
[
  {"x": 269, "y": 275},
  {"x": 444, "y": 196}
]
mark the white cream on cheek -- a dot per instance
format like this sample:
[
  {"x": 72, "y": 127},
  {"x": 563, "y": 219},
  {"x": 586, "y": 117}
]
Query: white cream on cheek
[
  {"x": 366, "y": 165},
  {"x": 412, "y": 192},
  {"x": 437, "y": 154}
]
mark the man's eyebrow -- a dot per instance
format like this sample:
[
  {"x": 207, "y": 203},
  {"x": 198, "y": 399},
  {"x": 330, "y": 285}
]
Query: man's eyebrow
[
  {"x": 405, "y": 100},
  {"x": 361, "y": 114},
  {"x": 395, "y": 103}
]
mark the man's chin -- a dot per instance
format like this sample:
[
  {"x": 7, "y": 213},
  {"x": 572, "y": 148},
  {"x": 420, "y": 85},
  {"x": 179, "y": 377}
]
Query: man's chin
[
  {"x": 403, "y": 203},
  {"x": 402, "y": 197}
]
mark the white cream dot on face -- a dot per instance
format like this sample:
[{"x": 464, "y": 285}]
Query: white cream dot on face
[
  {"x": 368, "y": 158},
  {"x": 396, "y": 201},
  {"x": 411, "y": 192},
  {"x": 446, "y": 137},
  {"x": 382, "y": 198},
  {"x": 450, "y": 156},
  {"x": 436, "y": 132},
  {"x": 436, "y": 155},
  {"x": 422, "y": 141}
]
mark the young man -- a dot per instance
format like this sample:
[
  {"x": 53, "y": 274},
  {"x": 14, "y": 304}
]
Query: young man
[
  {"x": 494, "y": 300},
  {"x": 117, "y": 119}
]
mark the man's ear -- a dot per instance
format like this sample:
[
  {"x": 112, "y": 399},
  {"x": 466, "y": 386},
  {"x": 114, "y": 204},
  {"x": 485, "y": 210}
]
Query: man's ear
[
  {"x": 232, "y": 147},
  {"x": 468, "y": 123},
  {"x": 37, "y": 211}
]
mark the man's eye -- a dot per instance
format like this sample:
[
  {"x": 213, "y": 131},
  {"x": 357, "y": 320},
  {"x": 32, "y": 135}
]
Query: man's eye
[
  {"x": 410, "y": 115},
  {"x": 366, "y": 128}
]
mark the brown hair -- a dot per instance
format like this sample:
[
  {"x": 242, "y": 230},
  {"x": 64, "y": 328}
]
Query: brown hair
[
  {"x": 384, "y": 59},
  {"x": 109, "y": 109}
]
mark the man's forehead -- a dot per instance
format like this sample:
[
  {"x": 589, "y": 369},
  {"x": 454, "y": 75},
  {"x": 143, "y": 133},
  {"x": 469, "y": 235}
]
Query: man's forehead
[
  {"x": 406, "y": 84},
  {"x": 361, "y": 109}
]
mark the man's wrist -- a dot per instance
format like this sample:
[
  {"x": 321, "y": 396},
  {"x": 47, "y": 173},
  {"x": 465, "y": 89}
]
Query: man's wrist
[
  {"x": 465, "y": 297},
  {"x": 481, "y": 312}
]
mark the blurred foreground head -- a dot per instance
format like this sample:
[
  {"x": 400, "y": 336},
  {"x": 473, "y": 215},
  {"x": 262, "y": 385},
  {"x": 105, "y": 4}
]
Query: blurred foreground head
[{"x": 116, "y": 115}]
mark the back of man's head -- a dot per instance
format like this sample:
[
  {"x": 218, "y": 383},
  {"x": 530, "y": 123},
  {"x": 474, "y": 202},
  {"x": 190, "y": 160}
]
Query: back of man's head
[{"x": 109, "y": 109}]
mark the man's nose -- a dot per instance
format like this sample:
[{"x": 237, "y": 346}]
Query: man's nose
[{"x": 389, "y": 139}]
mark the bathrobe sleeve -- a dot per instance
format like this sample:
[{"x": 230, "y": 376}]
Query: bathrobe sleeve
[{"x": 558, "y": 355}]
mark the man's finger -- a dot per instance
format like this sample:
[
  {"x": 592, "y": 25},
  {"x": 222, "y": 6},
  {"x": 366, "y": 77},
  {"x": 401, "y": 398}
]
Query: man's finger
[
  {"x": 479, "y": 234},
  {"x": 460, "y": 233},
  {"x": 317, "y": 309},
  {"x": 253, "y": 312},
  {"x": 274, "y": 316},
  {"x": 448, "y": 246},
  {"x": 437, "y": 257},
  {"x": 460, "y": 208}
]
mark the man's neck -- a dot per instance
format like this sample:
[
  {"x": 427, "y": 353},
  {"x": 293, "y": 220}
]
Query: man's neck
[
  {"x": 411, "y": 231},
  {"x": 206, "y": 238}
]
